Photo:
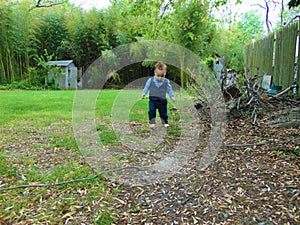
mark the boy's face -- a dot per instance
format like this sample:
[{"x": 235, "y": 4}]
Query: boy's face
[{"x": 159, "y": 77}]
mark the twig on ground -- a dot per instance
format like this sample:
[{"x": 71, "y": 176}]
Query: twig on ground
[
  {"x": 68, "y": 181},
  {"x": 292, "y": 140},
  {"x": 281, "y": 93},
  {"x": 254, "y": 119},
  {"x": 246, "y": 145},
  {"x": 51, "y": 184},
  {"x": 295, "y": 196},
  {"x": 189, "y": 198}
]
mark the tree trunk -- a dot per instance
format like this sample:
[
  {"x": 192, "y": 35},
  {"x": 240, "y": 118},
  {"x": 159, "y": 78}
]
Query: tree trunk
[{"x": 267, "y": 17}]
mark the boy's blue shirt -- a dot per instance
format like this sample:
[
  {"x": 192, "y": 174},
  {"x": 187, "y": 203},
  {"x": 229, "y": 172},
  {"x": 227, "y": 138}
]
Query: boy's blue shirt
[{"x": 158, "y": 84}]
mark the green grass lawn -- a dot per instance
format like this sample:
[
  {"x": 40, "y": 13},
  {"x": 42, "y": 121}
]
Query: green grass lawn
[
  {"x": 39, "y": 106},
  {"x": 37, "y": 146}
]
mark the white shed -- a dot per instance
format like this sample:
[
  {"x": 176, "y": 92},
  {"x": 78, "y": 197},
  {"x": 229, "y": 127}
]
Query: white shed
[{"x": 64, "y": 72}]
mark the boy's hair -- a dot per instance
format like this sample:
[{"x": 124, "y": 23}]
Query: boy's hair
[{"x": 160, "y": 69}]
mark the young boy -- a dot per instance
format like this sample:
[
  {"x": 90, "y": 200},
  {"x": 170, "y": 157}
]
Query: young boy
[{"x": 158, "y": 86}]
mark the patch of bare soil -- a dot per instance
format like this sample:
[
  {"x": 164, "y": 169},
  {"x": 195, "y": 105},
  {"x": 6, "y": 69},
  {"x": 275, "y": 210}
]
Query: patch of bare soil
[{"x": 253, "y": 180}]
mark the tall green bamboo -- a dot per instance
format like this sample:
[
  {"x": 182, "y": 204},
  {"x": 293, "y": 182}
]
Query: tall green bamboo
[{"x": 5, "y": 10}]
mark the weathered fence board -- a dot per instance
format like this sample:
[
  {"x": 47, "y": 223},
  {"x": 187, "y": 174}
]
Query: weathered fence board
[{"x": 275, "y": 55}]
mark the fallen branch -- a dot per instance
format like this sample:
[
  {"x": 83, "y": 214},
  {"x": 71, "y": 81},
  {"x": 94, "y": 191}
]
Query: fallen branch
[
  {"x": 292, "y": 140},
  {"x": 69, "y": 181},
  {"x": 276, "y": 188},
  {"x": 295, "y": 196},
  {"x": 51, "y": 184},
  {"x": 246, "y": 145},
  {"x": 192, "y": 196},
  {"x": 288, "y": 124},
  {"x": 280, "y": 93}
]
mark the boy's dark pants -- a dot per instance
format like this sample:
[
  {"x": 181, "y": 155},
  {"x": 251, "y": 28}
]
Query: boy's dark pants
[{"x": 161, "y": 105}]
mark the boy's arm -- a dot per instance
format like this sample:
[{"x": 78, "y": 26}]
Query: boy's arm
[
  {"x": 170, "y": 91},
  {"x": 146, "y": 88}
]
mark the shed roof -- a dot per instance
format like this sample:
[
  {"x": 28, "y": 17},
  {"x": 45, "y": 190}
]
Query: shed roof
[{"x": 60, "y": 63}]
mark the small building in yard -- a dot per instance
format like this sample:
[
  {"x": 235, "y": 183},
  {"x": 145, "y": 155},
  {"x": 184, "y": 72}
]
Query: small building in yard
[{"x": 64, "y": 73}]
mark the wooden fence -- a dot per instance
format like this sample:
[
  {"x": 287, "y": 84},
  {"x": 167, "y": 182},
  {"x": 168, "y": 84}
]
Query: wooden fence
[{"x": 275, "y": 55}]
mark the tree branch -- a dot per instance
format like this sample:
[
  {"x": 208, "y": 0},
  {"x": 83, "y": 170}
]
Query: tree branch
[
  {"x": 38, "y": 4},
  {"x": 294, "y": 18},
  {"x": 161, "y": 17}
]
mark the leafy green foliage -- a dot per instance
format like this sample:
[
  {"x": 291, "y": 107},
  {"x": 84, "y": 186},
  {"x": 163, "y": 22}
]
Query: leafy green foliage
[
  {"x": 89, "y": 37},
  {"x": 194, "y": 27},
  {"x": 72, "y": 33},
  {"x": 53, "y": 35},
  {"x": 230, "y": 43},
  {"x": 252, "y": 26},
  {"x": 293, "y": 3},
  {"x": 218, "y": 3},
  {"x": 209, "y": 61}
]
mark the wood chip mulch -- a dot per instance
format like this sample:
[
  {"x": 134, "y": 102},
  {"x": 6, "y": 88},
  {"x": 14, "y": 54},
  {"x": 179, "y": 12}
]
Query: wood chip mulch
[{"x": 255, "y": 179}]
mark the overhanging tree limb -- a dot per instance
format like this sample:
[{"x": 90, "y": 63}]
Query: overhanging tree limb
[
  {"x": 48, "y": 3},
  {"x": 266, "y": 7}
]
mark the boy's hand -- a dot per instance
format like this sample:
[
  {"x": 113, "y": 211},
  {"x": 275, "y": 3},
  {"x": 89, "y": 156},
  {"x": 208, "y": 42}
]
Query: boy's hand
[
  {"x": 143, "y": 96},
  {"x": 173, "y": 99}
]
